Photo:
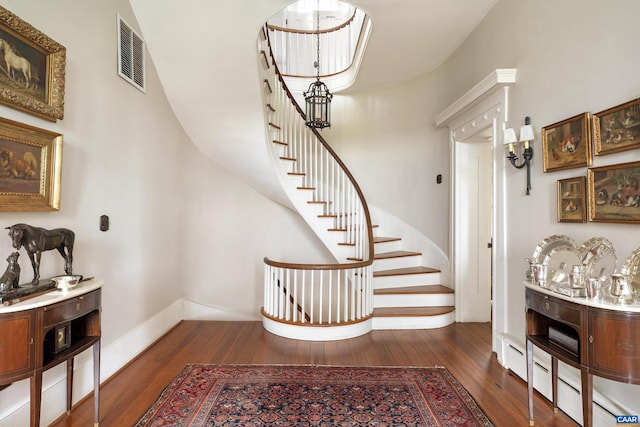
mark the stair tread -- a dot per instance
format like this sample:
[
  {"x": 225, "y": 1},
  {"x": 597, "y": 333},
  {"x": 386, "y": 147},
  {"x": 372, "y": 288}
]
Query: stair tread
[
  {"x": 404, "y": 271},
  {"x": 411, "y": 311},
  {"x": 385, "y": 239},
  {"x": 396, "y": 254},
  {"x": 425, "y": 289}
]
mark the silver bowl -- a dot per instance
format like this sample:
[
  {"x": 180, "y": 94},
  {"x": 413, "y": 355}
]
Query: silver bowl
[{"x": 64, "y": 283}]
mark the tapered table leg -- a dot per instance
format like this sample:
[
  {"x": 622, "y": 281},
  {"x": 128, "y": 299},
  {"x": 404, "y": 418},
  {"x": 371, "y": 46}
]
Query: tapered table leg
[
  {"x": 36, "y": 397},
  {"x": 530, "y": 379},
  {"x": 96, "y": 383},
  {"x": 587, "y": 397},
  {"x": 554, "y": 382},
  {"x": 69, "y": 384}
]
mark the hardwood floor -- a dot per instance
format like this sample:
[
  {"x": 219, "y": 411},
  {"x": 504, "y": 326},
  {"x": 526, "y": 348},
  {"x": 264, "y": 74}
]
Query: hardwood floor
[{"x": 464, "y": 348}]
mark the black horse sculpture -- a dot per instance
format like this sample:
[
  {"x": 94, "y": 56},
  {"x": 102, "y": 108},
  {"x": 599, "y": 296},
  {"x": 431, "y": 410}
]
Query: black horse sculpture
[{"x": 36, "y": 240}]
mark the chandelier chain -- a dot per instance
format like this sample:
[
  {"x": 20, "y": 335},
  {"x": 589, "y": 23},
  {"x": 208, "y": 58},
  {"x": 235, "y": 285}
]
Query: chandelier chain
[
  {"x": 318, "y": 40},
  {"x": 318, "y": 97}
]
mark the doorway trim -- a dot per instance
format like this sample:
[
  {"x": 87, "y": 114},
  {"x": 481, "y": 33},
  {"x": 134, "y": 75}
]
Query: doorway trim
[{"x": 484, "y": 106}]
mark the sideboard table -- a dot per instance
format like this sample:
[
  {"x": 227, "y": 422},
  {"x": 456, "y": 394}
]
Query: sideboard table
[
  {"x": 39, "y": 333},
  {"x": 591, "y": 335}
]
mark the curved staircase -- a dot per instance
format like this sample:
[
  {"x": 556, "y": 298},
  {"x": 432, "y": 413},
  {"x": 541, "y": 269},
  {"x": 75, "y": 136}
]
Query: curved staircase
[{"x": 376, "y": 283}]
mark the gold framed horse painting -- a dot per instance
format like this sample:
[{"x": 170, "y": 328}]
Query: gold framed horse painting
[
  {"x": 30, "y": 168},
  {"x": 32, "y": 69}
]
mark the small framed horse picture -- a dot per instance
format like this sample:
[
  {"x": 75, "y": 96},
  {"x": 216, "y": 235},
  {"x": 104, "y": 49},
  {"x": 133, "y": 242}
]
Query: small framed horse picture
[
  {"x": 30, "y": 167},
  {"x": 32, "y": 69}
]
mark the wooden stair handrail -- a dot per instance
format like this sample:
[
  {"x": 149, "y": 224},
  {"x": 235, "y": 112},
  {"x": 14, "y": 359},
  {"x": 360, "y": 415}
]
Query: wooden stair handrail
[
  {"x": 292, "y": 301},
  {"x": 314, "y": 32},
  {"x": 299, "y": 266},
  {"x": 335, "y": 156}
]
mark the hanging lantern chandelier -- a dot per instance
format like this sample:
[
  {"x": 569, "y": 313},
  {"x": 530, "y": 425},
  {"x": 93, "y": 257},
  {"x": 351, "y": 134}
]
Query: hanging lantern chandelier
[{"x": 318, "y": 97}]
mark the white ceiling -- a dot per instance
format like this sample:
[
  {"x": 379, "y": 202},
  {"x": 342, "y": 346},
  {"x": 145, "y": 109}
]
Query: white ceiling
[{"x": 413, "y": 37}]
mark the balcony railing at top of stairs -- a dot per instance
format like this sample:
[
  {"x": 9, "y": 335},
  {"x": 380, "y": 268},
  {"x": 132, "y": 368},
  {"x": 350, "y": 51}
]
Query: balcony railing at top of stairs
[
  {"x": 295, "y": 51},
  {"x": 341, "y": 50},
  {"x": 330, "y": 200}
]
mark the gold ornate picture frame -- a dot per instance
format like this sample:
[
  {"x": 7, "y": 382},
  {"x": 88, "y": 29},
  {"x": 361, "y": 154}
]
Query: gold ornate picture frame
[
  {"x": 30, "y": 168},
  {"x": 572, "y": 203},
  {"x": 614, "y": 193},
  {"x": 33, "y": 70},
  {"x": 617, "y": 129},
  {"x": 567, "y": 144}
]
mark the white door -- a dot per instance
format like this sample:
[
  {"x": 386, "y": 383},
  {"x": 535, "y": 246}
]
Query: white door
[{"x": 474, "y": 212}]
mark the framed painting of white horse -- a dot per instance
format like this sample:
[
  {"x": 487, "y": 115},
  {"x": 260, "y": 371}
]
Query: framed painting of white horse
[
  {"x": 30, "y": 168},
  {"x": 32, "y": 69}
]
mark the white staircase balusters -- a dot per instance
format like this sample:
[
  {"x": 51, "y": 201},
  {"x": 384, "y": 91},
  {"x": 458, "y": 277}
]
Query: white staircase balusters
[
  {"x": 336, "y": 295},
  {"x": 295, "y": 50}
]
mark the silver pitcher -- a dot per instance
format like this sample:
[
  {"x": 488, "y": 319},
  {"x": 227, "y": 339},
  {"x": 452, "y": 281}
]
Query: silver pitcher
[{"x": 620, "y": 288}]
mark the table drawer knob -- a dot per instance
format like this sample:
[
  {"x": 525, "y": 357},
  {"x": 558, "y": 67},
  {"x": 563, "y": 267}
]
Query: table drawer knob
[{"x": 547, "y": 306}]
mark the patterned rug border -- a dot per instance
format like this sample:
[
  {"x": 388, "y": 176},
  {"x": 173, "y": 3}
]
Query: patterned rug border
[{"x": 468, "y": 399}]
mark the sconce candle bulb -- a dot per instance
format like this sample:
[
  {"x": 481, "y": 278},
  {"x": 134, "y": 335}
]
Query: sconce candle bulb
[{"x": 526, "y": 136}]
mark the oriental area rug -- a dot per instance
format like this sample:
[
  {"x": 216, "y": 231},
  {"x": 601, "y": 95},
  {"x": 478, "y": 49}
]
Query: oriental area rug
[{"x": 282, "y": 395}]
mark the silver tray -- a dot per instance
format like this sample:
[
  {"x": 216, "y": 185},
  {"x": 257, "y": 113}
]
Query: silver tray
[
  {"x": 559, "y": 253},
  {"x": 569, "y": 291},
  {"x": 631, "y": 269},
  {"x": 551, "y": 245},
  {"x": 598, "y": 258}
]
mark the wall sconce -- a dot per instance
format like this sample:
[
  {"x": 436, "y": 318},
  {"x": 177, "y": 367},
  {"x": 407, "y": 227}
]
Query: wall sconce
[{"x": 526, "y": 136}]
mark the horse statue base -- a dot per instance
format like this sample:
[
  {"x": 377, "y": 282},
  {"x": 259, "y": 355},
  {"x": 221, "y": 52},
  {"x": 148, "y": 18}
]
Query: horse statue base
[{"x": 26, "y": 291}]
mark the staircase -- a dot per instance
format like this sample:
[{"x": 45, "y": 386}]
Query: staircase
[
  {"x": 407, "y": 295},
  {"x": 376, "y": 283}
]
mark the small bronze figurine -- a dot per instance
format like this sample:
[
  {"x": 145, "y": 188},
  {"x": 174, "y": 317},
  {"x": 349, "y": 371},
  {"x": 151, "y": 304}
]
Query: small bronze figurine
[
  {"x": 36, "y": 240},
  {"x": 11, "y": 276}
]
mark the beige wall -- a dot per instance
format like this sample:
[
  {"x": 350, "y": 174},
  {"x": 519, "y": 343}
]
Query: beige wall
[
  {"x": 389, "y": 141},
  {"x": 572, "y": 56},
  {"x": 180, "y": 224}
]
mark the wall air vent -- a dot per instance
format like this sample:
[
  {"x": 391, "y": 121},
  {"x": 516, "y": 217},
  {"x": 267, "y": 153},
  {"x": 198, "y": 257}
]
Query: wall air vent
[{"x": 131, "y": 65}]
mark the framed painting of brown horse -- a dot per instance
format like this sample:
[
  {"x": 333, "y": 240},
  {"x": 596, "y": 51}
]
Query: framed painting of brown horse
[{"x": 32, "y": 69}]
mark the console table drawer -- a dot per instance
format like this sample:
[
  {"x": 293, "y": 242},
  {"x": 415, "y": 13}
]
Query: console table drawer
[
  {"x": 71, "y": 309},
  {"x": 554, "y": 308}
]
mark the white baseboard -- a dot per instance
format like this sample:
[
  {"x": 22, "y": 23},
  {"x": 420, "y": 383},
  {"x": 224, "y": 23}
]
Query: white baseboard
[
  {"x": 192, "y": 310},
  {"x": 569, "y": 399},
  {"x": 14, "y": 401}
]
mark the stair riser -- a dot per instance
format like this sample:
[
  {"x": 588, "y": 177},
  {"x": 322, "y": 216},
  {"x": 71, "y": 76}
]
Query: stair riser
[
  {"x": 417, "y": 322},
  {"x": 382, "y": 247},
  {"x": 413, "y": 300},
  {"x": 395, "y": 263},
  {"x": 406, "y": 280}
]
